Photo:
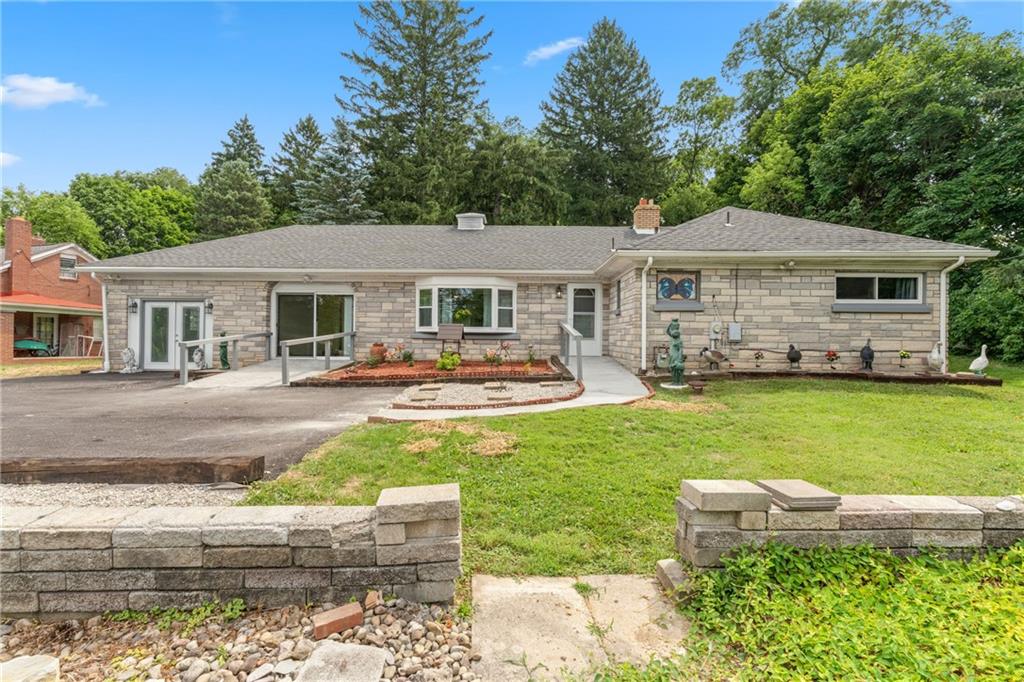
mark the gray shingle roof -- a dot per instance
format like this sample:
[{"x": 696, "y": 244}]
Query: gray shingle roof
[
  {"x": 37, "y": 249},
  {"x": 396, "y": 247},
  {"x": 517, "y": 247},
  {"x": 758, "y": 231}
]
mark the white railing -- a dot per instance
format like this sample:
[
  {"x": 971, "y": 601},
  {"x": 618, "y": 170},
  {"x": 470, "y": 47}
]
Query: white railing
[
  {"x": 322, "y": 338},
  {"x": 566, "y": 335},
  {"x": 183, "y": 347}
]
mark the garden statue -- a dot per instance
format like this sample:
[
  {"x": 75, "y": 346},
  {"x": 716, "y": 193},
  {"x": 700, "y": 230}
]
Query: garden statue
[
  {"x": 675, "y": 352},
  {"x": 794, "y": 356},
  {"x": 980, "y": 363},
  {"x": 224, "y": 354},
  {"x": 935, "y": 357},
  {"x": 131, "y": 365},
  {"x": 867, "y": 356}
]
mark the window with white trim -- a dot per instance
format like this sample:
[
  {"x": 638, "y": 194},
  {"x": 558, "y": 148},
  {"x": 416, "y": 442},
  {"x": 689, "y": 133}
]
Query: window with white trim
[
  {"x": 68, "y": 267},
  {"x": 882, "y": 288},
  {"x": 477, "y": 308}
]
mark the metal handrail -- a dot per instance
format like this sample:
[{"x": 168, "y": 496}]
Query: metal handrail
[
  {"x": 325, "y": 338},
  {"x": 183, "y": 347},
  {"x": 569, "y": 333}
]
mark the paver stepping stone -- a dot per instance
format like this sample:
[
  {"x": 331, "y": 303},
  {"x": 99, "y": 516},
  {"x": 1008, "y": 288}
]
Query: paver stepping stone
[
  {"x": 339, "y": 662},
  {"x": 551, "y": 383},
  {"x": 423, "y": 397},
  {"x": 431, "y": 387},
  {"x": 798, "y": 495},
  {"x": 542, "y": 628},
  {"x": 499, "y": 398},
  {"x": 494, "y": 385}
]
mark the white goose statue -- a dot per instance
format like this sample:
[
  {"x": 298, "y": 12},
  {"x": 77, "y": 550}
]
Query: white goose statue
[
  {"x": 935, "y": 357},
  {"x": 980, "y": 363}
]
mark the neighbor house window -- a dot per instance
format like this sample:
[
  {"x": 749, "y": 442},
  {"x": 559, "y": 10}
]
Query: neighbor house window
[
  {"x": 678, "y": 286},
  {"x": 67, "y": 267},
  {"x": 881, "y": 287},
  {"x": 477, "y": 308}
]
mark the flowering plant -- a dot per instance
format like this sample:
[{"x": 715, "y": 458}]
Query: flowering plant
[
  {"x": 758, "y": 357},
  {"x": 395, "y": 354},
  {"x": 904, "y": 355},
  {"x": 831, "y": 355},
  {"x": 492, "y": 357}
]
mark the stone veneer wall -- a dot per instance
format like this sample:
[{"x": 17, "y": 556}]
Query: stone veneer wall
[
  {"x": 710, "y": 525},
  {"x": 66, "y": 562},
  {"x": 780, "y": 307},
  {"x": 238, "y": 308}
]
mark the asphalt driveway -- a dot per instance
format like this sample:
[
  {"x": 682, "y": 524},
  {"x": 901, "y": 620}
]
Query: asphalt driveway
[{"x": 149, "y": 415}]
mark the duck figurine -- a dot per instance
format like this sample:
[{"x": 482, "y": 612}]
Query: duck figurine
[
  {"x": 935, "y": 357},
  {"x": 794, "y": 356},
  {"x": 867, "y": 356},
  {"x": 714, "y": 357},
  {"x": 980, "y": 363}
]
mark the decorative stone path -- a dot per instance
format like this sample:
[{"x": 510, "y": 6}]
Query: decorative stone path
[{"x": 542, "y": 628}]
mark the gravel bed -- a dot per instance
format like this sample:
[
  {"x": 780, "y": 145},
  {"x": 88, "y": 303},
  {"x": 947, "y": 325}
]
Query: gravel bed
[
  {"x": 121, "y": 495},
  {"x": 422, "y": 644},
  {"x": 454, "y": 394}
]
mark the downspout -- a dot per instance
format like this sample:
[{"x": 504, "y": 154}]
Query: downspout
[
  {"x": 106, "y": 332},
  {"x": 643, "y": 315},
  {"x": 944, "y": 311}
]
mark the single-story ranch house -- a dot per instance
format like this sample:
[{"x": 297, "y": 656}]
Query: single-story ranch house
[{"x": 744, "y": 282}]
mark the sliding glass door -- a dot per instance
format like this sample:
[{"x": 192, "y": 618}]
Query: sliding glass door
[{"x": 303, "y": 315}]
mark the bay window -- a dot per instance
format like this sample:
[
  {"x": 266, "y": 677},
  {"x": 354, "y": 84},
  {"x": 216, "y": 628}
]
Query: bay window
[{"x": 478, "y": 306}]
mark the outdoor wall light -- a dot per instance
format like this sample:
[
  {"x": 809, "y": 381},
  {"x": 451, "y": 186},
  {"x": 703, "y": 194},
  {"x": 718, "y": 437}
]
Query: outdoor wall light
[
  {"x": 133, "y": 306},
  {"x": 209, "y": 307},
  {"x": 558, "y": 291}
]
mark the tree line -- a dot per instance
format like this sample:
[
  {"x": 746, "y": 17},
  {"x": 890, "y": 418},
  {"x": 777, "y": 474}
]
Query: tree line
[{"x": 890, "y": 115}]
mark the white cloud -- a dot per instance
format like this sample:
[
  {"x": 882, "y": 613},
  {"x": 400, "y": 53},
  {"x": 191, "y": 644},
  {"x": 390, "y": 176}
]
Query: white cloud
[
  {"x": 23, "y": 91},
  {"x": 8, "y": 159},
  {"x": 548, "y": 51}
]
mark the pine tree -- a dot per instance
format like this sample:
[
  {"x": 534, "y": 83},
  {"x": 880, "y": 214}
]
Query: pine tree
[
  {"x": 242, "y": 145},
  {"x": 413, "y": 101},
  {"x": 605, "y": 113},
  {"x": 231, "y": 201},
  {"x": 291, "y": 165},
  {"x": 334, "y": 193}
]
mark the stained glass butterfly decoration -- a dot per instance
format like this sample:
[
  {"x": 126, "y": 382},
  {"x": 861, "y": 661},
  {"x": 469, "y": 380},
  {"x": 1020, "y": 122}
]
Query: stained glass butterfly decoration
[{"x": 684, "y": 288}]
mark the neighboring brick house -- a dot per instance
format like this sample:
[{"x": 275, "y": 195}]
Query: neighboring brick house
[
  {"x": 744, "y": 282},
  {"x": 44, "y": 296}
]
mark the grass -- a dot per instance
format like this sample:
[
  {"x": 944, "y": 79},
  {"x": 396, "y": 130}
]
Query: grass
[
  {"x": 586, "y": 491},
  {"x": 46, "y": 368}
]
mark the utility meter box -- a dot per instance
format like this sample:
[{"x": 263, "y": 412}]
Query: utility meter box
[{"x": 735, "y": 332}]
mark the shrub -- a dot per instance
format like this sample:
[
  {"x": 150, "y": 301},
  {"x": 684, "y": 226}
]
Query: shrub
[
  {"x": 448, "y": 361},
  {"x": 862, "y": 613},
  {"x": 492, "y": 357}
]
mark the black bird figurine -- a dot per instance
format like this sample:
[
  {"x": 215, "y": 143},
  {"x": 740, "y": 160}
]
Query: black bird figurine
[
  {"x": 794, "y": 357},
  {"x": 867, "y": 356}
]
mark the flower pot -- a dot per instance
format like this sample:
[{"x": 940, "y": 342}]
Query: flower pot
[{"x": 379, "y": 351}]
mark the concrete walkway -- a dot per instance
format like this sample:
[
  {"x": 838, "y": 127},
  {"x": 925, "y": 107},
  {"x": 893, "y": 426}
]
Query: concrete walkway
[
  {"x": 545, "y": 628},
  {"x": 605, "y": 382},
  {"x": 264, "y": 374}
]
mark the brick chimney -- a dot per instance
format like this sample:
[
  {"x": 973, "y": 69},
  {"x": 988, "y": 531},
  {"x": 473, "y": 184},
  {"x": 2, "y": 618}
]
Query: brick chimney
[
  {"x": 646, "y": 217},
  {"x": 18, "y": 250}
]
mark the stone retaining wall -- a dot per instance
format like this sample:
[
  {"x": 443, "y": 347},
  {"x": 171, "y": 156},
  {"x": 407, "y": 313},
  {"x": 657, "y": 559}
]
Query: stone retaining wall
[
  {"x": 62, "y": 562},
  {"x": 716, "y": 517}
]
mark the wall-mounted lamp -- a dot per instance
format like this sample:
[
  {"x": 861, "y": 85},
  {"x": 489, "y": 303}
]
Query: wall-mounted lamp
[
  {"x": 133, "y": 306},
  {"x": 558, "y": 291},
  {"x": 209, "y": 307}
]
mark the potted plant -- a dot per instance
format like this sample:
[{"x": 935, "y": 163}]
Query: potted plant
[
  {"x": 758, "y": 357},
  {"x": 831, "y": 356},
  {"x": 904, "y": 355},
  {"x": 379, "y": 351}
]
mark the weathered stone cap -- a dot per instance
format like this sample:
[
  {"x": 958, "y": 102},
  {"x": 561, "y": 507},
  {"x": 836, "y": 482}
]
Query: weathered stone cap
[
  {"x": 725, "y": 495},
  {"x": 418, "y": 503},
  {"x": 798, "y": 495}
]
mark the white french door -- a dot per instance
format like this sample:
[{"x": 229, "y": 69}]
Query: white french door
[
  {"x": 585, "y": 315},
  {"x": 166, "y": 323}
]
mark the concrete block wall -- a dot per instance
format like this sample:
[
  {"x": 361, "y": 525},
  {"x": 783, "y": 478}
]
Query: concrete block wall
[
  {"x": 778, "y": 307},
  {"x": 731, "y": 514},
  {"x": 64, "y": 562},
  {"x": 238, "y": 308}
]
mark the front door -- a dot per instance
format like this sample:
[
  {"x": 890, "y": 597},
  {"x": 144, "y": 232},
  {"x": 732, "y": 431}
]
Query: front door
[
  {"x": 168, "y": 322},
  {"x": 585, "y": 315}
]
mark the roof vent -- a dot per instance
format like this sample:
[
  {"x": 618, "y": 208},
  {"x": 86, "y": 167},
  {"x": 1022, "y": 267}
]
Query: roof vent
[
  {"x": 470, "y": 221},
  {"x": 728, "y": 222}
]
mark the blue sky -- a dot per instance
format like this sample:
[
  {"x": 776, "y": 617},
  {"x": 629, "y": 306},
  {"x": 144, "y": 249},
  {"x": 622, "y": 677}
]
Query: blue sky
[{"x": 100, "y": 87}]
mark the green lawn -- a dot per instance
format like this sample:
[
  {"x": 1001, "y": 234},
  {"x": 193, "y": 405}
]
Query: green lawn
[
  {"x": 46, "y": 368},
  {"x": 591, "y": 490}
]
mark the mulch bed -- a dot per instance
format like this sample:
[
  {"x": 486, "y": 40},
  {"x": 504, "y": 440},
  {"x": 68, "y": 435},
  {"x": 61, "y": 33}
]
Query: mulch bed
[{"x": 401, "y": 374}]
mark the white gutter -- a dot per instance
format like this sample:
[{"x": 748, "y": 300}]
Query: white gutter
[
  {"x": 106, "y": 333},
  {"x": 643, "y": 315},
  {"x": 944, "y": 310}
]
